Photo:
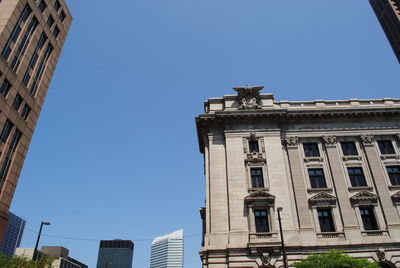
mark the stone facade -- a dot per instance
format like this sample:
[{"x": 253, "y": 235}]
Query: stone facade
[
  {"x": 32, "y": 34},
  {"x": 332, "y": 166}
]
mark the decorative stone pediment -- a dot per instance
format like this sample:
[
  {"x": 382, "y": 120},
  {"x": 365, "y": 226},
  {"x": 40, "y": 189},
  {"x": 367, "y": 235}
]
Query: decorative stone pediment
[
  {"x": 322, "y": 199},
  {"x": 364, "y": 198},
  {"x": 290, "y": 141},
  {"x": 260, "y": 198},
  {"x": 367, "y": 139},
  {"x": 330, "y": 140},
  {"x": 396, "y": 198},
  {"x": 249, "y": 97}
]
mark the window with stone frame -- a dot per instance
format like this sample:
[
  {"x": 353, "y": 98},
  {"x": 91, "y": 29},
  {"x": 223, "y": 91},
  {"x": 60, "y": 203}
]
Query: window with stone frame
[
  {"x": 254, "y": 146},
  {"x": 349, "y": 148},
  {"x": 325, "y": 219},
  {"x": 356, "y": 175},
  {"x": 386, "y": 147},
  {"x": 6, "y": 131},
  {"x": 368, "y": 218},
  {"x": 311, "y": 149},
  {"x": 261, "y": 221},
  {"x": 257, "y": 177},
  {"x": 394, "y": 174},
  {"x": 317, "y": 178}
]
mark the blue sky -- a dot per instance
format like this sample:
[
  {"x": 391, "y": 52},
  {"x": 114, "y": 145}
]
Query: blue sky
[{"x": 115, "y": 151}]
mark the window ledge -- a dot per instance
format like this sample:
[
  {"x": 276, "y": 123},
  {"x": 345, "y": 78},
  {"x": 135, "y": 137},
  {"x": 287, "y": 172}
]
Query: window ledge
[
  {"x": 263, "y": 235},
  {"x": 390, "y": 156},
  {"x": 361, "y": 188},
  {"x": 394, "y": 187},
  {"x": 257, "y": 189},
  {"x": 330, "y": 235},
  {"x": 375, "y": 233},
  {"x": 351, "y": 157},
  {"x": 313, "y": 159},
  {"x": 312, "y": 190}
]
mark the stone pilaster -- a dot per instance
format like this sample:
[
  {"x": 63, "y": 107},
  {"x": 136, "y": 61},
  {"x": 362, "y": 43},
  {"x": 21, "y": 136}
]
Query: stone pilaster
[
  {"x": 378, "y": 175},
  {"x": 300, "y": 188},
  {"x": 341, "y": 187}
]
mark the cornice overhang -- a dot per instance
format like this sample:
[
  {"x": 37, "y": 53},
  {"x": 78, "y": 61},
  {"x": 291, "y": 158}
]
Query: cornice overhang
[{"x": 204, "y": 120}]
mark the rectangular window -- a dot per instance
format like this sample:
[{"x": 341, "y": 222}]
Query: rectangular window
[
  {"x": 394, "y": 174},
  {"x": 15, "y": 32},
  {"x": 7, "y": 160},
  {"x": 253, "y": 146},
  {"x": 357, "y": 177},
  {"x": 62, "y": 16},
  {"x": 317, "y": 178},
  {"x": 24, "y": 43},
  {"x": 56, "y": 32},
  {"x": 33, "y": 60},
  {"x": 50, "y": 21},
  {"x": 6, "y": 131},
  {"x": 17, "y": 102},
  {"x": 25, "y": 111},
  {"x": 311, "y": 149},
  {"x": 349, "y": 148},
  {"x": 326, "y": 220},
  {"x": 386, "y": 147},
  {"x": 5, "y": 88},
  {"x": 40, "y": 69},
  {"x": 42, "y": 6},
  {"x": 257, "y": 178},
  {"x": 368, "y": 218},
  {"x": 57, "y": 5},
  {"x": 261, "y": 219}
]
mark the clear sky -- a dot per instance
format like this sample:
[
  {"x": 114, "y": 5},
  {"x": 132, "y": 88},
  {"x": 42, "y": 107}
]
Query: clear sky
[{"x": 115, "y": 151}]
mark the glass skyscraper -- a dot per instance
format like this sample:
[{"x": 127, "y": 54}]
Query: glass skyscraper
[
  {"x": 13, "y": 234},
  {"x": 115, "y": 253},
  {"x": 167, "y": 251}
]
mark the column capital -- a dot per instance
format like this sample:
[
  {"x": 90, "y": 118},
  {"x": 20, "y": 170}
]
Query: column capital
[
  {"x": 330, "y": 140},
  {"x": 292, "y": 141},
  {"x": 367, "y": 139}
]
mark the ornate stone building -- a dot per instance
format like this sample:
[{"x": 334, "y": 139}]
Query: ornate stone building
[{"x": 332, "y": 166}]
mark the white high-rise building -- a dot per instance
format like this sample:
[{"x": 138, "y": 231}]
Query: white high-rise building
[{"x": 167, "y": 251}]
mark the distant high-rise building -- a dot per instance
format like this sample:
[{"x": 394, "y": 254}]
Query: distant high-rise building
[
  {"x": 115, "y": 253},
  {"x": 32, "y": 33},
  {"x": 13, "y": 235},
  {"x": 59, "y": 255},
  {"x": 388, "y": 13},
  {"x": 167, "y": 251}
]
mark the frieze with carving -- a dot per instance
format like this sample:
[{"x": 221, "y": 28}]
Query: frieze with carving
[
  {"x": 249, "y": 97},
  {"x": 291, "y": 141},
  {"x": 367, "y": 139},
  {"x": 322, "y": 200},
  {"x": 330, "y": 140},
  {"x": 364, "y": 198}
]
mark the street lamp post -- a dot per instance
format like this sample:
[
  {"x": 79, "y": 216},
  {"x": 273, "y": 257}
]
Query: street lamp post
[
  {"x": 285, "y": 264},
  {"x": 38, "y": 238}
]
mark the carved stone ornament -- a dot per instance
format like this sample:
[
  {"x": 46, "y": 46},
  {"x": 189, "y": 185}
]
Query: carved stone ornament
[
  {"x": 245, "y": 144},
  {"x": 322, "y": 200},
  {"x": 260, "y": 198},
  {"x": 330, "y": 140},
  {"x": 367, "y": 139},
  {"x": 262, "y": 144},
  {"x": 253, "y": 136},
  {"x": 265, "y": 259},
  {"x": 398, "y": 137},
  {"x": 380, "y": 253},
  {"x": 396, "y": 198},
  {"x": 364, "y": 198},
  {"x": 249, "y": 97},
  {"x": 290, "y": 141}
]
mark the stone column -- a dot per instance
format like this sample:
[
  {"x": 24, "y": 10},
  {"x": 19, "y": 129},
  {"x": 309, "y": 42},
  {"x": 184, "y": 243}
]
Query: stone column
[
  {"x": 378, "y": 175},
  {"x": 300, "y": 188},
  {"x": 350, "y": 226}
]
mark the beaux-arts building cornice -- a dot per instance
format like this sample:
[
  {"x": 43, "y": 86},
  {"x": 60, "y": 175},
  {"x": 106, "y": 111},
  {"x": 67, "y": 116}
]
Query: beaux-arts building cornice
[{"x": 218, "y": 111}]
